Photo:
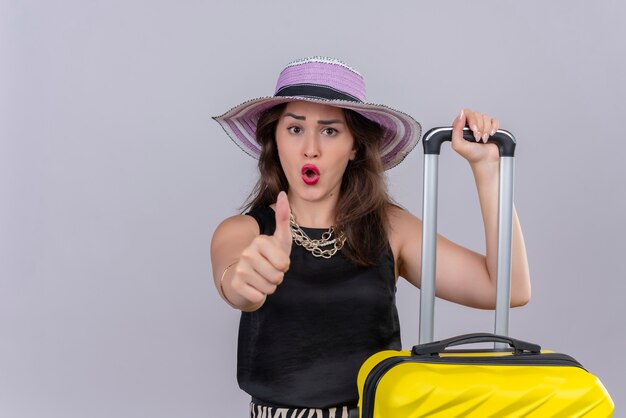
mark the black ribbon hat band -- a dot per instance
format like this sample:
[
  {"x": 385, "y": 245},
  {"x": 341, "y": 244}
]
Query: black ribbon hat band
[{"x": 315, "y": 91}]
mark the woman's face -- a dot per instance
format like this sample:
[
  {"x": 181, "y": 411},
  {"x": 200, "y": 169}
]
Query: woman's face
[{"x": 314, "y": 147}]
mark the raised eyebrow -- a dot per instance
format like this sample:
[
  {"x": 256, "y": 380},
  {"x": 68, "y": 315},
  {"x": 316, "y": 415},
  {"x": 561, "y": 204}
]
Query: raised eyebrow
[
  {"x": 295, "y": 116},
  {"x": 329, "y": 122}
]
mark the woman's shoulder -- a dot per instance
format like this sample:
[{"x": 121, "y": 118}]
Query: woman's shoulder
[
  {"x": 400, "y": 218},
  {"x": 238, "y": 223},
  {"x": 404, "y": 228},
  {"x": 265, "y": 217}
]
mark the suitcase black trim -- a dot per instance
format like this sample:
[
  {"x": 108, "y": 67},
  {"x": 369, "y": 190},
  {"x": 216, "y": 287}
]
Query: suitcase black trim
[{"x": 376, "y": 374}]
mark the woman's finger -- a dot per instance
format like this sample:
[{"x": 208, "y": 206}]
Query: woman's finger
[
  {"x": 272, "y": 251},
  {"x": 261, "y": 284},
  {"x": 475, "y": 123},
  {"x": 457, "y": 130},
  {"x": 247, "y": 274},
  {"x": 268, "y": 271},
  {"x": 282, "y": 234},
  {"x": 251, "y": 293},
  {"x": 458, "y": 124},
  {"x": 495, "y": 125},
  {"x": 240, "y": 283},
  {"x": 486, "y": 131}
]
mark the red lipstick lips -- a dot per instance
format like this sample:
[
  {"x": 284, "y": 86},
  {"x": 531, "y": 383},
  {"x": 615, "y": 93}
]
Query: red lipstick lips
[{"x": 310, "y": 174}]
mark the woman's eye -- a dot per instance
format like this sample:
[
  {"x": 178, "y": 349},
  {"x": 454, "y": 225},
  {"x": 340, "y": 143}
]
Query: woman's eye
[
  {"x": 329, "y": 131},
  {"x": 294, "y": 129}
]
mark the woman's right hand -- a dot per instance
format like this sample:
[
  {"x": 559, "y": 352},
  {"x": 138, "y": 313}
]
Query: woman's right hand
[{"x": 262, "y": 264}]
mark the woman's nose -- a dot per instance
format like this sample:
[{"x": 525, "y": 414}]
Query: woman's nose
[{"x": 311, "y": 146}]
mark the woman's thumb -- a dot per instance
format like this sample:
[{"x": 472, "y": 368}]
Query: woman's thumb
[
  {"x": 457, "y": 126},
  {"x": 283, "y": 231}
]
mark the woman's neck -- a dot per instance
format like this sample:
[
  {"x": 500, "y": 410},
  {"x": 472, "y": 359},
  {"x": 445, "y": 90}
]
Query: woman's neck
[{"x": 318, "y": 214}]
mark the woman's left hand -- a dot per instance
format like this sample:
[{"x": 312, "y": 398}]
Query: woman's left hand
[{"x": 483, "y": 126}]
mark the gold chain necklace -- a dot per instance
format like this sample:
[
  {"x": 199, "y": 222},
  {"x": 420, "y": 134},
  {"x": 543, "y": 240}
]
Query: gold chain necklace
[{"x": 314, "y": 245}]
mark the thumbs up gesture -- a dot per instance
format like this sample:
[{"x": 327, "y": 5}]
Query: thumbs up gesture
[
  {"x": 263, "y": 263},
  {"x": 282, "y": 234}
]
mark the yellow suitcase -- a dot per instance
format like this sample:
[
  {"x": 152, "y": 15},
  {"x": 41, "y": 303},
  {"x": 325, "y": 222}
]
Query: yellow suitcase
[
  {"x": 432, "y": 382},
  {"x": 514, "y": 379}
]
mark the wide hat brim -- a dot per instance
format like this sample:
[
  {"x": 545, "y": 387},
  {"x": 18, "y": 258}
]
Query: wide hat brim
[{"x": 401, "y": 131}]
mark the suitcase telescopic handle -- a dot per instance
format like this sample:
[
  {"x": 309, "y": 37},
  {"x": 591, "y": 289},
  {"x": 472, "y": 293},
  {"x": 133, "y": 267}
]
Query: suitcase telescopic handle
[
  {"x": 437, "y": 136},
  {"x": 434, "y": 348},
  {"x": 432, "y": 147}
]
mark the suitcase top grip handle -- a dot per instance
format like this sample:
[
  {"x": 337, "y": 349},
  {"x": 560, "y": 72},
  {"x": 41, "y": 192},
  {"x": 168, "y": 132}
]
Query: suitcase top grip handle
[
  {"x": 435, "y": 137},
  {"x": 436, "y": 347}
]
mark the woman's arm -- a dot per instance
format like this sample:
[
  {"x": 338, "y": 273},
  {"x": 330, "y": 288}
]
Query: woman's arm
[
  {"x": 248, "y": 266},
  {"x": 464, "y": 276}
]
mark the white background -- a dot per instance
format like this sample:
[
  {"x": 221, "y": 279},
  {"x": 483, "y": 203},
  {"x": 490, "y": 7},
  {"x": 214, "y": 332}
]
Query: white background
[{"x": 113, "y": 178}]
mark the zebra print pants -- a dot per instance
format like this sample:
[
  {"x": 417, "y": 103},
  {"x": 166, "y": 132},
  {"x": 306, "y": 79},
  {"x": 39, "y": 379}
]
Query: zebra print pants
[{"x": 261, "y": 411}]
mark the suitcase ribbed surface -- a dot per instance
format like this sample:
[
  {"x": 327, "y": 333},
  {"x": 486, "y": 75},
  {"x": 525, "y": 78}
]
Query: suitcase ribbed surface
[{"x": 409, "y": 389}]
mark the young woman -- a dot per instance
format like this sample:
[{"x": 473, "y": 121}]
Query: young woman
[{"x": 314, "y": 262}]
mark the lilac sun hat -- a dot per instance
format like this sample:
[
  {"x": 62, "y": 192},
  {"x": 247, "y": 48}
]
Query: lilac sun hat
[{"x": 327, "y": 81}]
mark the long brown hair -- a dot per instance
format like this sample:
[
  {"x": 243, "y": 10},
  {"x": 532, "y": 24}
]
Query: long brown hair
[{"x": 363, "y": 204}]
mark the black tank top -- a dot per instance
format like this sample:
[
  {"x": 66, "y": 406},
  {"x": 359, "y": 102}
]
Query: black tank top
[{"x": 305, "y": 345}]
